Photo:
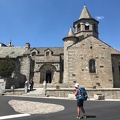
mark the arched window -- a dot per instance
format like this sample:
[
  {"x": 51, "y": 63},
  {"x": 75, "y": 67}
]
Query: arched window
[
  {"x": 33, "y": 53},
  {"x": 47, "y": 53},
  {"x": 78, "y": 28},
  {"x": 86, "y": 26},
  {"x": 92, "y": 68}
]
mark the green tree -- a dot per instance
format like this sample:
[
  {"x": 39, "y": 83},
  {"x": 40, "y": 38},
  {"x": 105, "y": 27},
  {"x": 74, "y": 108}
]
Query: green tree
[{"x": 7, "y": 66}]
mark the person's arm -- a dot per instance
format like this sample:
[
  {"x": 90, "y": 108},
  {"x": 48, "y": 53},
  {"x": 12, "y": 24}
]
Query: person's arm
[{"x": 76, "y": 92}]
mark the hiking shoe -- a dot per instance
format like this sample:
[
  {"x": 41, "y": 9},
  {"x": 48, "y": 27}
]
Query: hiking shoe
[
  {"x": 78, "y": 117},
  {"x": 84, "y": 117}
]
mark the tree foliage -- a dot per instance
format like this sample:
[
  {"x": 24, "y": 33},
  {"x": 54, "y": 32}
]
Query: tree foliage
[{"x": 7, "y": 66}]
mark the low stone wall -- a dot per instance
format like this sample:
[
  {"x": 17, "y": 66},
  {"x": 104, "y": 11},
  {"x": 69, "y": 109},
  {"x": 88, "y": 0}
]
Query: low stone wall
[
  {"x": 63, "y": 92},
  {"x": 19, "y": 91},
  {"x": 108, "y": 93}
]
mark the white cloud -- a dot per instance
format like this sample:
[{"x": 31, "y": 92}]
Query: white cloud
[{"x": 99, "y": 17}]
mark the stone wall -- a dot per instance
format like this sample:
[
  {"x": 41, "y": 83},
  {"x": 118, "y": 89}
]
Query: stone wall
[
  {"x": 109, "y": 93},
  {"x": 76, "y": 63},
  {"x": 25, "y": 63},
  {"x": 16, "y": 79}
]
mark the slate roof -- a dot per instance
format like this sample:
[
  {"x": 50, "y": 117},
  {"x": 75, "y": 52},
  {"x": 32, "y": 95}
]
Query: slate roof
[
  {"x": 85, "y": 13},
  {"x": 70, "y": 33},
  {"x": 12, "y": 52},
  {"x": 55, "y": 50},
  {"x": 2, "y": 45}
]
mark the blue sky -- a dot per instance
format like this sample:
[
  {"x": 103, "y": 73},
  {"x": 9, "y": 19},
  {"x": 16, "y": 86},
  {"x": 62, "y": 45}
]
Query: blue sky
[{"x": 44, "y": 23}]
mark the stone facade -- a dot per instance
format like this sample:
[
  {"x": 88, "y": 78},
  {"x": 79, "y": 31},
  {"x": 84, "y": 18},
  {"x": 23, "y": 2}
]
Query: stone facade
[
  {"x": 47, "y": 65},
  {"x": 88, "y": 60},
  {"x": 84, "y": 59}
]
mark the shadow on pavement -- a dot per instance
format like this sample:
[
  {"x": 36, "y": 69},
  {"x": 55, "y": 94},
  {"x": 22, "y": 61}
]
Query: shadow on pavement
[{"x": 91, "y": 116}]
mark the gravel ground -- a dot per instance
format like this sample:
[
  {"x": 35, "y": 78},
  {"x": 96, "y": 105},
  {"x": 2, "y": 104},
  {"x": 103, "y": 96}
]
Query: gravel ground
[{"x": 34, "y": 107}]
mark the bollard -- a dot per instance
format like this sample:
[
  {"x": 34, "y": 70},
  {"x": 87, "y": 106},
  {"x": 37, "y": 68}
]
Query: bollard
[
  {"x": 12, "y": 88},
  {"x": 26, "y": 86},
  {"x": 44, "y": 87}
]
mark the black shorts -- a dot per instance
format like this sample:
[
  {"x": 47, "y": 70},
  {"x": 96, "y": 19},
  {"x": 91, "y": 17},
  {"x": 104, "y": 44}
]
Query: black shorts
[{"x": 80, "y": 103}]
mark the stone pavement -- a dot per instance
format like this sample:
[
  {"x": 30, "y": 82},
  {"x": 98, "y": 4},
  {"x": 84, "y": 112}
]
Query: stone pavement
[
  {"x": 31, "y": 107},
  {"x": 95, "y": 109},
  {"x": 36, "y": 91}
]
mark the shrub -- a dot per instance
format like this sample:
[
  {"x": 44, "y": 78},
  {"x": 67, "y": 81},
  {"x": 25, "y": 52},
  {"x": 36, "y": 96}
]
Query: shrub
[{"x": 7, "y": 66}]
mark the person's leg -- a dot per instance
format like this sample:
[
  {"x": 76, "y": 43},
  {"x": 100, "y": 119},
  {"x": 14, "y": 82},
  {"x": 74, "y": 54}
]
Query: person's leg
[
  {"x": 78, "y": 111},
  {"x": 83, "y": 111},
  {"x": 30, "y": 87}
]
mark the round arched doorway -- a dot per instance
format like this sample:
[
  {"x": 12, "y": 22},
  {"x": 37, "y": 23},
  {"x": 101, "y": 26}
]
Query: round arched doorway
[{"x": 47, "y": 72}]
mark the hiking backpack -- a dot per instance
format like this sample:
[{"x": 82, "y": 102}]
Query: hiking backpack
[{"x": 82, "y": 94}]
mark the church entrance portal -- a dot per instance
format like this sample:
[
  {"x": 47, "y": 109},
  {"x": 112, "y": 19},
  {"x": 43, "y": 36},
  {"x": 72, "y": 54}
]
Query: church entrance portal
[{"x": 47, "y": 72}]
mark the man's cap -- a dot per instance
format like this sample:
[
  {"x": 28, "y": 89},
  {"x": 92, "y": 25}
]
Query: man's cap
[{"x": 76, "y": 85}]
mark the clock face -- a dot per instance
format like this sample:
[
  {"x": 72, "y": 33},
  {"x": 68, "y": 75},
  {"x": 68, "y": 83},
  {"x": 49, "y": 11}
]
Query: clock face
[{"x": 87, "y": 23}]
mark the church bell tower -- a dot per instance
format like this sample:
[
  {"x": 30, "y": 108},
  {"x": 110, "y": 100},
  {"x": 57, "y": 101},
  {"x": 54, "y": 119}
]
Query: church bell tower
[{"x": 85, "y": 25}]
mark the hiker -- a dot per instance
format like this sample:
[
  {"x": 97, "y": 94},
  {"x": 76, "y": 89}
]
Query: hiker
[{"x": 80, "y": 102}]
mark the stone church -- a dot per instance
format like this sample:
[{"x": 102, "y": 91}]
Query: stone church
[{"x": 84, "y": 58}]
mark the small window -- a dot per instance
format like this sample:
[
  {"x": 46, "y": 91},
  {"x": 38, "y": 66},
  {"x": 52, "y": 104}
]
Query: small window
[
  {"x": 33, "y": 53},
  {"x": 92, "y": 68},
  {"x": 47, "y": 53}
]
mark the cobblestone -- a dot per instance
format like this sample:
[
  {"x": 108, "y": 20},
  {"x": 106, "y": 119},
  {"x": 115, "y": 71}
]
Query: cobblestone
[{"x": 35, "y": 107}]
